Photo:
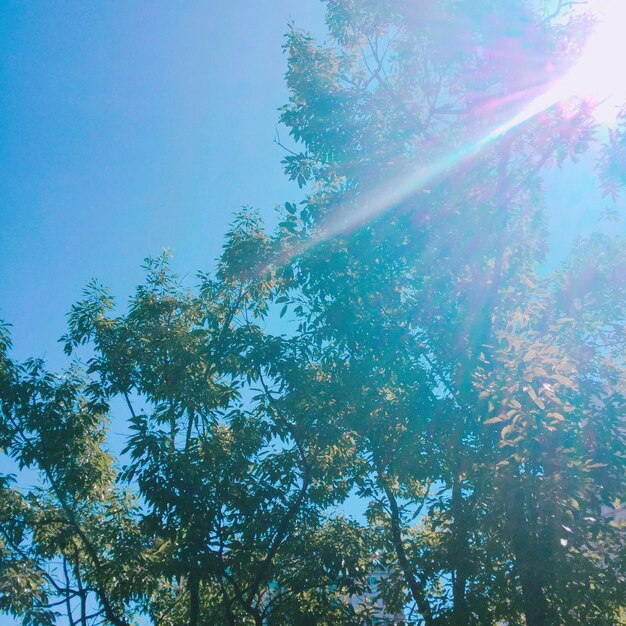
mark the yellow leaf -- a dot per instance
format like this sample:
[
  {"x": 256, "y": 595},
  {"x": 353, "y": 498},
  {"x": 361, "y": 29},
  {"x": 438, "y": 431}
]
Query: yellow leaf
[
  {"x": 494, "y": 420},
  {"x": 530, "y": 355},
  {"x": 506, "y": 430},
  {"x": 556, "y": 417},
  {"x": 535, "y": 398},
  {"x": 563, "y": 380}
]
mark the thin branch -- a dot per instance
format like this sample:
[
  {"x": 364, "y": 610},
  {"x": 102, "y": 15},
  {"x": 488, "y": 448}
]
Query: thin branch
[
  {"x": 279, "y": 143},
  {"x": 68, "y": 604},
  {"x": 282, "y": 530},
  {"x": 416, "y": 585},
  {"x": 563, "y": 4},
  {"x": 88, "y": 545},
  {"x": 130, "y": 406}
]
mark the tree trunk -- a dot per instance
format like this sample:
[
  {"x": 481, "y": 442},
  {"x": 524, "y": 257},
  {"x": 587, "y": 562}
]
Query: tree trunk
[
  {"x": 528, "y": 560},
  {"x": 416, "y": 586},
  {"x": 258, "y": 619},
  {"x": 460, "y": 614},
  {"x": 193, "y": 586}
]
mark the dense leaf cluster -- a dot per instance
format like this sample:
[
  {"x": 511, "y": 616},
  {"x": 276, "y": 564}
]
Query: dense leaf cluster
[{"x": 394, "y": 345}]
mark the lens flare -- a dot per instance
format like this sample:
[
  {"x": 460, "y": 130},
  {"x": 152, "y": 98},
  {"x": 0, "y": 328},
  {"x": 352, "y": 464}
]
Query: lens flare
[
  {"x": 599, "y": 74},
  {"x": 597, "y": 77}
]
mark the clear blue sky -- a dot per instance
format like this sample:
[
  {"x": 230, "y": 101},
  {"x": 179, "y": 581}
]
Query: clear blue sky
[
  {"x": 126, "y": 127},
  {"x": 129, "y": 126}
]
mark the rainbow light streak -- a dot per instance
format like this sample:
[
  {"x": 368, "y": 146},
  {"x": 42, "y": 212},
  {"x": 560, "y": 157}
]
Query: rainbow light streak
[
  {"x": 586, "y": 79},
  {"x": 400, "y": 188}
]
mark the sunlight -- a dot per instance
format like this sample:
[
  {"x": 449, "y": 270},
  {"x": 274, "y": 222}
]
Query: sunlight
[{"x": 598, "y": 75}]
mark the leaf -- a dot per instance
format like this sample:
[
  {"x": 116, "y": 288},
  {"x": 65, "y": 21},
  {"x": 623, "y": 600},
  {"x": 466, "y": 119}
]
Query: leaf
[
  {"x": 535, "y": 398},
  {"x": 563, "y": 380},
  {"x": 530, "y": 355},
  {"x": 506, "y": 431},
  {"x": 557, "y": 417},
  {"x": 495, "y": 420}
]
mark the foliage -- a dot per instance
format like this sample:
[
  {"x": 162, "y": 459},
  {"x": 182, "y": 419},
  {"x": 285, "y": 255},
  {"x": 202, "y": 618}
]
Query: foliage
[{"x": 395, "y": 341}]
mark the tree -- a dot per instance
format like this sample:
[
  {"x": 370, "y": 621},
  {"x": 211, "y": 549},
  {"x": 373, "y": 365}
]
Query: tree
[
  {"x": 556, "y": 403},
  {"x": 425, "y": 363},
  {"x": 213, "y": 512},
  {"x": 388, "y": 113}
]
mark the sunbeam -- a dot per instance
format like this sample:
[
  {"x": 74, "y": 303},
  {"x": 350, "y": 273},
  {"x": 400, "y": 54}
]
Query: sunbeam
[
  {"x": 598, "y": 75},
  {"x": 590, "y": 79}
]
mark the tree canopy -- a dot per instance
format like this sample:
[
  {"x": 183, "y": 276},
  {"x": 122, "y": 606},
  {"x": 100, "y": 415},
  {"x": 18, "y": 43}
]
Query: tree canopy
[{"x": 396, "y": 341}]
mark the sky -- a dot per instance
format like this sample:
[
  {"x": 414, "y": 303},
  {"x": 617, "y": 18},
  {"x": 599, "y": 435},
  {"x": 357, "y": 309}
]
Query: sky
[
  {"x": 130, "y": 127},
  {"x": 126, "y": 128}
]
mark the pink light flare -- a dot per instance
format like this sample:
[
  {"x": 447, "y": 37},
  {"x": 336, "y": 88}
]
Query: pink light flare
[{"x": 587, "y": 80}]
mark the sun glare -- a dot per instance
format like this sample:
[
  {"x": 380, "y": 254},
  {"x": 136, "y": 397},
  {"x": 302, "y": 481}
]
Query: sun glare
[{"x": 599, "y": 75}]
